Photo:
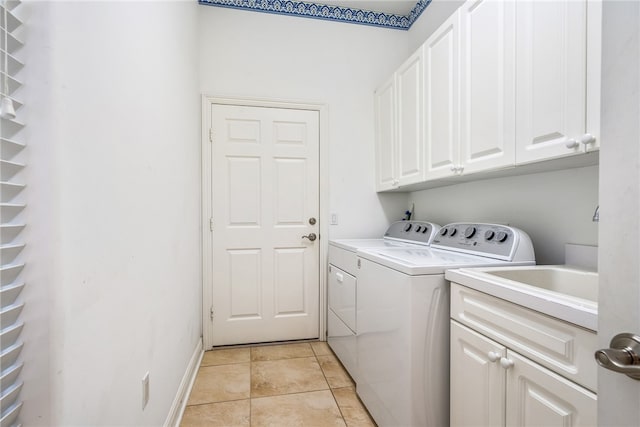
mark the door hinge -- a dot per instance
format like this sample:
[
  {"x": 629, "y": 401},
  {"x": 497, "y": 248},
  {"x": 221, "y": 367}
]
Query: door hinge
[
  {"x": 211, "y": 313},
  {"x": 211, "y": 134},
  {"x": 211, "y": 224}
]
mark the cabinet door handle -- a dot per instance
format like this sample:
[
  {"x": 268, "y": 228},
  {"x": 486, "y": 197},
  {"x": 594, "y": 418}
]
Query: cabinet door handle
[
  {"x": 340, "y": 277},
  {"x": 587, "y": 139},
  {"x": 460, "y": 169},
  {"x": 571, "y": 143},
  {"x": 493, "y": 356},
  {"x": 506, "y": 363},
  {"x": 454, "y": 169}
]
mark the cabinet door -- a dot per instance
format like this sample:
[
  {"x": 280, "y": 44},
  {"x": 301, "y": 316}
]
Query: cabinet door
[
  {"x": 551, "y": 78},
  {"x": 410, "y": 118},
  {"x": 487, "y": 85},
  {"x": 441, "y": 100},
  {"x": 539, "y": 397},
  {"x": 477, "y": 383},
  {"x": 385, "y": 116}
]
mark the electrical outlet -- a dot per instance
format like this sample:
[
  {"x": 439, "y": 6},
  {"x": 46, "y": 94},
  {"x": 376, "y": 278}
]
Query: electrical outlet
[
  {"x": 145, "y": 390},
  {"x": 334, "y": 219}
]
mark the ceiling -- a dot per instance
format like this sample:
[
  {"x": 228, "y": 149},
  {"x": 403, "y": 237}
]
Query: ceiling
[{"x": 395, "y": 7}]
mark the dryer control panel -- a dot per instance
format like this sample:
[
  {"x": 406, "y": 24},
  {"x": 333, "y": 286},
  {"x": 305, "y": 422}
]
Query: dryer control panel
[
  {"x": 419, "y": 232},
  {"x": 490, "y": 240}
]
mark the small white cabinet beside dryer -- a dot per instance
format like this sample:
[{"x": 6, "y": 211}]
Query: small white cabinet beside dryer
[
  {"x": 341, "y": 315},
  {"x": 513, "y": 366}
]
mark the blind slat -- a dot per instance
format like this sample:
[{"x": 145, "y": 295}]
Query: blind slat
[{"x": 11, "y": 212}]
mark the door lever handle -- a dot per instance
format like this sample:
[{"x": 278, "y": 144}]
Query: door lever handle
[
  {"x": 623, "y": 355},
  {"x": 312, "y": 237}
]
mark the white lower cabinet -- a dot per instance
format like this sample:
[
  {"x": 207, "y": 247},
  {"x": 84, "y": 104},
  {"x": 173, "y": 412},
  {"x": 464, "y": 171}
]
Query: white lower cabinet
[
  {"x": 538, "y": 397},
  {"x": 513, "y": 366},
  {"x": 478, "y": 383},
  {"x": 494, "y": 386}
]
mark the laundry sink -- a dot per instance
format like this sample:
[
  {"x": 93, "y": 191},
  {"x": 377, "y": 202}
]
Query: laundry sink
[{"x": 564, "y": 292}]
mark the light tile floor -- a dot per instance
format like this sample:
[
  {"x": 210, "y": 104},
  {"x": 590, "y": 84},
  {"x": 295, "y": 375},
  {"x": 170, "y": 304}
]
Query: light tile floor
[{"x": 299, "y": 384}]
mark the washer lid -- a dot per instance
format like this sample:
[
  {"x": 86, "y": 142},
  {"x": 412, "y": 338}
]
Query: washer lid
[
  {"x": 424, "y": 261},
  {"x": 354, "y": 245}
]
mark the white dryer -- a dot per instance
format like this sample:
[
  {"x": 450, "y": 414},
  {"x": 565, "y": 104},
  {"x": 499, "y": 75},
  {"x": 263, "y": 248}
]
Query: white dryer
[
  {"x": 402, "y": 343},
  {"x": 343, "y": 268}
]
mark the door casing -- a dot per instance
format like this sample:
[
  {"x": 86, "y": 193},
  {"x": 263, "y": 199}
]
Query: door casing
[{"x": 207, "y": 208}]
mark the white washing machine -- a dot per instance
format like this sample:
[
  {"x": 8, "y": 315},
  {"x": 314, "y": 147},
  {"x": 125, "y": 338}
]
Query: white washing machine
[
  {"x": 402, "y": 342},
  {"x": 343, "y": 268}
]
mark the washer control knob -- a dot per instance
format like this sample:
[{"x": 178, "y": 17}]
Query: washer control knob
[
  {"x": 501, "y": 236},
  {"x": 444, "y": 231},
  {"x": 469, "y": 232},
  {"x": 425, "y": 229},
  {"x": 488, "y": 235},
  {"x": 453, "y": 232},
  {"x": 407, "y": 227},
  {"x": 418, "y": 229}
]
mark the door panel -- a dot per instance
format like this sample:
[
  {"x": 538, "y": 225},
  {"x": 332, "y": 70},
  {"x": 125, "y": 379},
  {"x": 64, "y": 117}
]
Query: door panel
[
  {"x": 487, "y": 85},
  {"x": 539, "y": 397},
  {"x": 410, "y": 117},
  {"x": 265, "y": 187},
  {"x": 385, "y": 101},
  {"x": 551, "y": 78},
  {"x": 441, "y": 100},
  {"x": 477, "y": 384},
  {"x": 244, "y": 175}
]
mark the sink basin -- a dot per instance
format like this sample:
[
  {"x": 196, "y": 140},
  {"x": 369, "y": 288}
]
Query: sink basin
[
  {"x": 577, "y": 283},
  {"x": 563, "y": 292}
]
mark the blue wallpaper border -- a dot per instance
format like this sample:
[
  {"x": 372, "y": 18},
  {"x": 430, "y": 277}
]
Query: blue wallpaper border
[{"x": 326, "y": 12}]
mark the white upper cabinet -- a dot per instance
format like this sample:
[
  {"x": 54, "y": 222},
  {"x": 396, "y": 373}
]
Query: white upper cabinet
[
  {"x": 410, "y": 119},
  {"x": 399, "y": 118},
  {"x": 487, "y": 85},
  {"x": 504, "y": 83},
  {"x": 552, "y": 93},
  {"x": 385, "y": 114},
  {"x": 441, "y": 78}
]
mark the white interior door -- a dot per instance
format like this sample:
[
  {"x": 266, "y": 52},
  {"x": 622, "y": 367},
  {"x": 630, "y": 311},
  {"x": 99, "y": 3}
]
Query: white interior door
[
  {"x": 265, "y": 201},
  {"x": 619, "y": 226}
]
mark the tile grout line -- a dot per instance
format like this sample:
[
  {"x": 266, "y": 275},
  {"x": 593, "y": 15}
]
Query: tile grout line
[
  {"x": 250, "y": 382},
  {"x": 330, "y": 388}
]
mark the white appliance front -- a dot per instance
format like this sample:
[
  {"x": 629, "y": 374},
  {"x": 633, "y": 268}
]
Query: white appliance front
[
  {"x": 402, "y": 317},
  {"x": 342, "y": 283}
]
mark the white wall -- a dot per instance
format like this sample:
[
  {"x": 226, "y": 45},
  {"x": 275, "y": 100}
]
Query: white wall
[
  {"x": 554, "y": 208},
  {"x": 257, "y": 55},
  {"x": 114, "y": 125}
]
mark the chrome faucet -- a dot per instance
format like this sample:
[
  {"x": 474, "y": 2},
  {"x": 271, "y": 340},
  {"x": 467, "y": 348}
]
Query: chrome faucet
[{"x": 596, "y": 215}]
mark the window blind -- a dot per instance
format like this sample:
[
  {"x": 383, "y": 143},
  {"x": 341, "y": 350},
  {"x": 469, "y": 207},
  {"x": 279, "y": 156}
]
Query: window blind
[{"x": 12, "y": 223}]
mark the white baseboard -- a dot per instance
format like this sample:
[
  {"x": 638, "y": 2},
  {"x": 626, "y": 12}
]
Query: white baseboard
[{"x": 180, "y": 401}]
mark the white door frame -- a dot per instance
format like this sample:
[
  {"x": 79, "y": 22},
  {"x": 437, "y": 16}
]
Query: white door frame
[{"x": 207, "y": 212}]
